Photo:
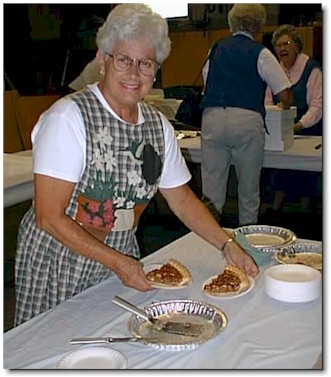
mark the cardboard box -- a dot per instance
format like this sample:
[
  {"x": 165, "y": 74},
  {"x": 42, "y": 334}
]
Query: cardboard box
[{"x": 280, "y": 124}]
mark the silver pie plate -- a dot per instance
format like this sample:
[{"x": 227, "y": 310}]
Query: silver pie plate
[
  {"x": 278, "y": 237},
  {"x": 298, "y": 248},
  {"x": 212, "y": 319}
]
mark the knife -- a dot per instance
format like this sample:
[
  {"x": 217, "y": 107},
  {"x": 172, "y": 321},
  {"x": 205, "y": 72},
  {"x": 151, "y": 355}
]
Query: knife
[{"x": 103, "y": 339}]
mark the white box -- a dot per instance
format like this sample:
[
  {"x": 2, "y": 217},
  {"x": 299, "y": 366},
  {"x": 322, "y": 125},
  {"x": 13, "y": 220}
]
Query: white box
[
  {"x": 275, "y": 113},
  {"x": 280, "y": 124}
]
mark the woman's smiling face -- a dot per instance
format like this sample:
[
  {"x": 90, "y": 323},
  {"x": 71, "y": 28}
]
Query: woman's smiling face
[
  {"x": 124, "y": 89},
  {"x": 286, "y": 50}
]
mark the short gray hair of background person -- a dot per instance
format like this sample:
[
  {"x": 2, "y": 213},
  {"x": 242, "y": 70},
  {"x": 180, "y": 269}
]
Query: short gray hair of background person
[
  {"x": 291, "y": 31},
  {"x": 247, "y": 17},
  {"x": 131, "y": 21}
]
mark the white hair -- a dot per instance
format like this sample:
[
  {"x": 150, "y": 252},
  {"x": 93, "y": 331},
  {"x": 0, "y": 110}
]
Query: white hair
[
  {"x": 247, "y": 17},
  {"x": 131, "y": 21}
]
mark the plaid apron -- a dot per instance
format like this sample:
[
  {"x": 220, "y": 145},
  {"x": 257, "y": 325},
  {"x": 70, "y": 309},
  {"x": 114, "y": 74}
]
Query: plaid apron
[{"x": 123, "y": 169}]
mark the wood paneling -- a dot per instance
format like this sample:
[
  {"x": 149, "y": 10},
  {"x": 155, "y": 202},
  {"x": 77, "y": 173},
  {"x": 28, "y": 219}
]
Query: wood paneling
[
  {"x": 20, "y": 116},
  {"x": 12, "y": 139},
  {"x": 188, "y": 51},
  {"x": 28, "y": 111}
]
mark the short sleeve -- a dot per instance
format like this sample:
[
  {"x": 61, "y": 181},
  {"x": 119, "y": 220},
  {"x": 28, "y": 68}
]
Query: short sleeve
[
  {"x": 271, "y": 72},
  {"x": 175, "y": 171},
  {"x": 58, "y": 142}
]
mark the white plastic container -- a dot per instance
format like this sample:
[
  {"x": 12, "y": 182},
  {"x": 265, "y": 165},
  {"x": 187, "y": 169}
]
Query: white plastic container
[
  {"x": 280, "y": 124},
  {"x": 293, "y": 283}
]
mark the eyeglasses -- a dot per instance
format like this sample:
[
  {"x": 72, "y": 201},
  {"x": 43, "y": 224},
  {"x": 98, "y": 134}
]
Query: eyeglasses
[
  {"x": 284, "y": 44},
  {"x": 123, "y": 63}
]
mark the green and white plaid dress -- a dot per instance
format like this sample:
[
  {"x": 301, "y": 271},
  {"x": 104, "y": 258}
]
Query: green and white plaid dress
[{"x": 123, "y": 169}]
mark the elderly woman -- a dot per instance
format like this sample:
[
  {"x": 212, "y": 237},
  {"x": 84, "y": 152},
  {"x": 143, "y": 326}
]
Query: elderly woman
[
  {"x": 237, "y": 74},
  {"x": 100, "y": 155},
  {"x": 306, "y": 78}
]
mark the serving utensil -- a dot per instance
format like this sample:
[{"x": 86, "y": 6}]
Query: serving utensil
[
  {"x": 109, "y": 339},
  {"x": 179, "y": 328}
]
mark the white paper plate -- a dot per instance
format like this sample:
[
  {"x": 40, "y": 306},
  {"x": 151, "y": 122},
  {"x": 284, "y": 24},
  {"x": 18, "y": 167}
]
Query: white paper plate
[
  {"x": 293, "y": 283},
  {"x": 229, "y": 296},
  {"x": 153, "y": 266},
  {"x": 93, "y": 358}
]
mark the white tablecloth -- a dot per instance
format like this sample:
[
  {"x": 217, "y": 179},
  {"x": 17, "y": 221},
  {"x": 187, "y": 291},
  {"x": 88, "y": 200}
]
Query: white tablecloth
[
  {"x": 262, "y": 333},
  {"x": 17, "y": 177},
  {"x": 302, "y": 155}
]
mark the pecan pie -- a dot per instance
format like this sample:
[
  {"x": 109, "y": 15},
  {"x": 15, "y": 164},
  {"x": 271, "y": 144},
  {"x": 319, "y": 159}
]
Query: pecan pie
[
  {"x": 231, "y": 281},
  {"x": 173, "y": 273}
]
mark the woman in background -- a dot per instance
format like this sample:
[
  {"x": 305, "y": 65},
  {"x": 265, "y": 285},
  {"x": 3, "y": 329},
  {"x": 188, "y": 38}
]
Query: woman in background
[
  {"x": 237, "y": 74},
  {"x": 305, "y": 75}
]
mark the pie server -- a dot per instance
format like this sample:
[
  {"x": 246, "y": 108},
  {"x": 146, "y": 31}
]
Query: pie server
[{"x": 185, "y": 328}]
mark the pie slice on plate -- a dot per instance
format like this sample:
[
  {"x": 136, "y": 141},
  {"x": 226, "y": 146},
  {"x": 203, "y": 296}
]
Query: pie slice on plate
[
  {"x": 171, "y": 274},
  {"x": 232, "y": 281}
]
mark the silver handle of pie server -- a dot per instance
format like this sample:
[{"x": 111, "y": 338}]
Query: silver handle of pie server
[{"x": 130, "y": 307}]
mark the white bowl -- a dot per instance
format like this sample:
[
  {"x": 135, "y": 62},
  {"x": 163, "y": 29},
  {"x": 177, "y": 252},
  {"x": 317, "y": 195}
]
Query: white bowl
[{"x": 293, "y": 283}]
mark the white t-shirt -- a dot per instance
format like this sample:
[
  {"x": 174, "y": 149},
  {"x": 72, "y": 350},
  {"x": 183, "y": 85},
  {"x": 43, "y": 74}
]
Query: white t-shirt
[{"x": 59, "y": 144}]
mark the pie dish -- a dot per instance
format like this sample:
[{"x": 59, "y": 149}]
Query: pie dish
[
  {"x": 307, "y": 253},
  {"x": 211, "y": 317},
  {"x": 169, "y": 275},
  {"x": 231, "y": 282},
  {"x": 308, "y": 259},
  {"x": 266, "y": 236}
]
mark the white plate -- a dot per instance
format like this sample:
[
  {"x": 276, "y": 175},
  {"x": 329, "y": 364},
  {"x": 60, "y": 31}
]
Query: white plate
[
  {"x": 293, "y": 282},
  {"x": 154, "y": 266},
  {"x": 93, "y": 358},
  {"x": 229, "y": 296}
]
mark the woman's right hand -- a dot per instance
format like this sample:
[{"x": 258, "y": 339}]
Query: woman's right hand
[{"x": 131, "y": 272}]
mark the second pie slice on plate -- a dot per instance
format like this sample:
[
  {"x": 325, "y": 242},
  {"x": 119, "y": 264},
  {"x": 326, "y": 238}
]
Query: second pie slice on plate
[
  {"x": 169, "y": 275},
  {"x": 232, "y": 282}
]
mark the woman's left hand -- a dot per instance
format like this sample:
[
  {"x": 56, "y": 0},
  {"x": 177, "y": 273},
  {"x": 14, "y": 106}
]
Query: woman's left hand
[{"x": 237, "y": 256}]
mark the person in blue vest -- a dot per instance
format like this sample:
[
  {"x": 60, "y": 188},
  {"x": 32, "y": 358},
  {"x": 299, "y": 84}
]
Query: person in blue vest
[
  {"x": 236, "y": 75},
  {"x": 305, "y": 75}
]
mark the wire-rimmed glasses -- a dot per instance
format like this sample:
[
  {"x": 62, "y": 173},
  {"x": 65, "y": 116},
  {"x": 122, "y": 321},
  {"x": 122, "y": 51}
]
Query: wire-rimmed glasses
[
  {"x": 123, "y": 63},
  {"x": 283, "y": 44}
]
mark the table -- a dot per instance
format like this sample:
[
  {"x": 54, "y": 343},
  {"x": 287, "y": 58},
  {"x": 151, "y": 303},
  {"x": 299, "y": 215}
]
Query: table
[
  {"x": 302, "y": 155},
  {"x": 262, "y": 333},
  {"x": 18, "y": 177},
  {"x": 168, "y": 106}
]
